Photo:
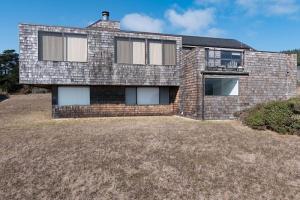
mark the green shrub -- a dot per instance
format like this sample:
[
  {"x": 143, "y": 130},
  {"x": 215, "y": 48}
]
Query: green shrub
[
  {"x": 295, "y": 105},
  {"x": 280, "y": 116},
  {"x": 255, "y": 118}
]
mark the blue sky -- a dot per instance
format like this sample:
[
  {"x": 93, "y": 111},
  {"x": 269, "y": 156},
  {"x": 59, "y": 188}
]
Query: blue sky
[{"x": 271, "y": 25}]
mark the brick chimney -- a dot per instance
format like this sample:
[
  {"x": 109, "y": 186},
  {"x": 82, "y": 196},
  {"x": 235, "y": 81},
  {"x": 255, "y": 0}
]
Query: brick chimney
[{"x": 105, "y": 24}]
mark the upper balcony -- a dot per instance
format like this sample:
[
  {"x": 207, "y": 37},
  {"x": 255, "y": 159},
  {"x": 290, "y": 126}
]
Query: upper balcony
[{"x": 224, "y": 60}]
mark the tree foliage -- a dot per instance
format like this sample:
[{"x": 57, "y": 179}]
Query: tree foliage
[{"x": 9, "y": 71}]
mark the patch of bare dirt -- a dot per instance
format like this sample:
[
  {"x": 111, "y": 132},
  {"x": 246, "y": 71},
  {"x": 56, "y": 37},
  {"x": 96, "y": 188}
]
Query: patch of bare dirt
[{"x": 139, "y": 157}]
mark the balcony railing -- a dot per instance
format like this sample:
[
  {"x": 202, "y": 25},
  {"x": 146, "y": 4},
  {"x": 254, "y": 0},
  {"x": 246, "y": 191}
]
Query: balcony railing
[{"x": 224, "y": 60}]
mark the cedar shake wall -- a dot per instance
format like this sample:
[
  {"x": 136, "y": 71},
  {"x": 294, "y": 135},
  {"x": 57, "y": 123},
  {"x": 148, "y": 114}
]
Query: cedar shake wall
[
  {"x": 223, "y": 107},
  {"x": 191, "y": 86},
  {"x": 109, "y": 101},
  {"x": 272, "y": 76},
  {"x": 100, "y": 68}
]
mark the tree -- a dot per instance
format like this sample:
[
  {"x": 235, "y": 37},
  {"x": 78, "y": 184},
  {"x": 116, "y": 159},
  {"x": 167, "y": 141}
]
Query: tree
[{"x": 9, "y": 71}]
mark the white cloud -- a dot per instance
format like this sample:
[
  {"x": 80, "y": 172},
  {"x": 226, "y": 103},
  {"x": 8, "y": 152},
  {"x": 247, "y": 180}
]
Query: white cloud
[
  {"x": 249, "y": 5},
  {"x": 191, "y": 21},
  {"x": 141, "y": 22},
  {"x": 215, "y": 32},
  {"x": 282, "y": 7},
  {"x": 269, "y": 7}
]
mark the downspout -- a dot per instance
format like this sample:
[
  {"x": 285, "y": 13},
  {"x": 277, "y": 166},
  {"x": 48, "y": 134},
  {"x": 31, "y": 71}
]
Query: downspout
[{"x": 203, "y": 95}]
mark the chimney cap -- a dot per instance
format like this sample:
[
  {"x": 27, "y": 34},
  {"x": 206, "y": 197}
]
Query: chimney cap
[
  {"x": 104, "y": 12},
  {"x": 105, "y": 15}
]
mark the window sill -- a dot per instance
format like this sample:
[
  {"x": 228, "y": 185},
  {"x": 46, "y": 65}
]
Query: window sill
[
  {"x": 147, "y": 105},
  {"x": 144, "y": 65},
  {"x": 57, "y": 61},
  {"x": 221, "y": 95},
  {"x": 209, "y": 72}
]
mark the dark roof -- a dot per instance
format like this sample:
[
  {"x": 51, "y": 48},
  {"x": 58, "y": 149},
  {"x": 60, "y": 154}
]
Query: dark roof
[
  {"x": 204, "y": 41},
  {"x": 187, "y": 40},
  {"x": 213, "y": 42}
]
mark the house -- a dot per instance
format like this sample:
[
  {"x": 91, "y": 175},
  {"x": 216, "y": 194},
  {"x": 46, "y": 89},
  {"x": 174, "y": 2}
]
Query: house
[
  {"x": 298, "y": 73},
  {"x": 101, "y": 70}
]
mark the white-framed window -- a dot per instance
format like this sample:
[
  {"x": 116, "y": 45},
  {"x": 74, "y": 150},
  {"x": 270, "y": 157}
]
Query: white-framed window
[
  {"x": 54, "y": 46},
  {"x": 73, "y": 95},
  {"x": 162, "y": 52},
  {"x": 147, "y": 95},
  {"x": 133, "y": 51},
  {"x": 221, "y": 86},
  {"x": 130, "y": 51},
  {"x": 229, "y": 59},
  {"x": 155, "y": 53}
]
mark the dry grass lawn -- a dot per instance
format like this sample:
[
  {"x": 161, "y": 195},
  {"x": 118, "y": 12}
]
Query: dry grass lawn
[{"x": 139, "y": 157}]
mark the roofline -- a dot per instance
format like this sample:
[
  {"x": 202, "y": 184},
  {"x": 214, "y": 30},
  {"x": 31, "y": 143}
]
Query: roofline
[
  {"x": 31, "y": 24},
  {"x": 176, "y": 35},
  {"x": 99, "y": 20},
  {"x": 218, "y": 47},
  {"x": 144, "y": 32}
]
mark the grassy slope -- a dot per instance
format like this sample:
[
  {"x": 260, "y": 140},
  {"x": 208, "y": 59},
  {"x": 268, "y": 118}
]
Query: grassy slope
[{"x": 139, "y": 158}]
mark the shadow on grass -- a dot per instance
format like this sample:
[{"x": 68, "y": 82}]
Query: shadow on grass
[{"x": 3, "y": 97}]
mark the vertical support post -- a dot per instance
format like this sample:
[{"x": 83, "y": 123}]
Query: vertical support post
[{"x": 203, "y": 96}]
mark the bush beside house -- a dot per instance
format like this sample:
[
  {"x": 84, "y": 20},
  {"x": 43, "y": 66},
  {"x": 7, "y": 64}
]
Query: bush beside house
[
  {"x": 280, "y": 116},
  {"x": 9, "y": 71}
]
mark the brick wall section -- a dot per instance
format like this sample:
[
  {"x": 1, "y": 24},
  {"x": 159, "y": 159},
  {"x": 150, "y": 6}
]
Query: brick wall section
[
  {"x": 113, "y": 108},
  {"x": 272, "y": 76},
  {"x": 100, "y": 68},
  {"x": 110, "y": 110}
]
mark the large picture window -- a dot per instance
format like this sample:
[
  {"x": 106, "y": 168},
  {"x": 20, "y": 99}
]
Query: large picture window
[
  {"x": 62, "y": 47},
  {"x": 155, "y": 53},
  {"x": 162, "y": 52},
  {"x": 68, "y": 96},
  {"x": 169, "y": 52},
  {"x": 76, "y": 48},
  {"x": 221, "y": 86},
  {"x": 138, "y": 52},
  {"x": 51, "y": 46},
  {"x": 133, "y": 51},
  {"x": 130, "y": 51},
  {"x": 147, "y": 95},
  {"x": 224, "y": 59}
]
